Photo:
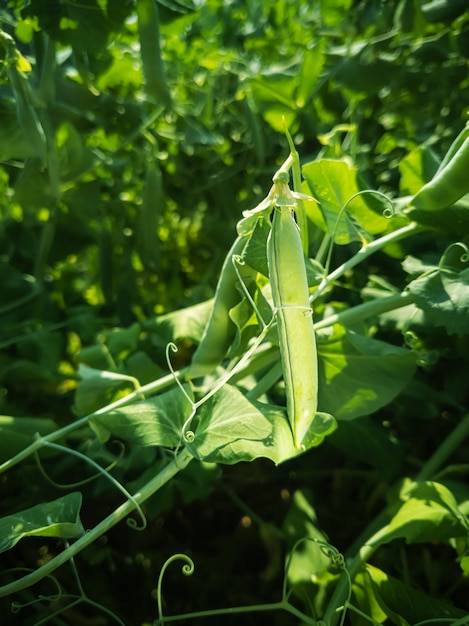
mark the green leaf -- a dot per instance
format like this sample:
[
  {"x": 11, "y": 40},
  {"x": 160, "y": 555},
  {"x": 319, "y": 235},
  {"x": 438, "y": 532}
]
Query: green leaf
[
  {"x": 154, "y": 422},
  {"x": 98, "y": 388},
  {"x": 444, "y": 297},
  {"x": 359, "y": 374},
  {"x": 417, "y": 168},
  {"x": 17, "y": 433},
  {"x": 309, "y": 559},
  {"x": 59, "y": 518},
  {"x": 429, "y": 513},
  {"x": 232, "y": 429},
  {"x": 333, "y": 183},
  {"x": 403, "y": 605}
]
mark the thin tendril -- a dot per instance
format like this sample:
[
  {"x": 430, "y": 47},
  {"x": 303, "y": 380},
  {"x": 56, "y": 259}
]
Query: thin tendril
[
  {"x": 173, "y": 347},
  {"x": 79, "y": 483},
  {"x": 464, "y": 258},
  {"x": 336, "y": 558},
  {"x": 130, "y": 522},
  {"x": 237, "y": 260},
  {"x": 387, "y": 213},
  {"x": 187, "y": 570}
]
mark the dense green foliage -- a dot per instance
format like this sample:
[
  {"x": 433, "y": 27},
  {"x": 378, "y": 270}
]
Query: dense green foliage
[{"x": 136, "y": 137}]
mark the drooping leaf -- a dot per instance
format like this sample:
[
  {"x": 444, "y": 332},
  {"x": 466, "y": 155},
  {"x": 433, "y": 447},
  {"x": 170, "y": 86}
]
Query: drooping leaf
[{"x": 59, "y": 518}]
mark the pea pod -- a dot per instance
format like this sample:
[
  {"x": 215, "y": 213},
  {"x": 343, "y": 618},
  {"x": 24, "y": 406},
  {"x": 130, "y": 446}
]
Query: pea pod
[
  {"x": 290, "y": 294},
  {"x": 448, "y": 185},
  {"x": 220, "y": 330}
]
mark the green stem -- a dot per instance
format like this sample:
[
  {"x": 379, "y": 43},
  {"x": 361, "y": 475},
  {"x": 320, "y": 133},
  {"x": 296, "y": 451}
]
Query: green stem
[
  {"x": 178, "y": 464},
  {"x": 445, "y": 450},
  {"x": 236, "y": 610},
  {"x": 367, "y": 310},
  {"x": 366, "y": 251}
]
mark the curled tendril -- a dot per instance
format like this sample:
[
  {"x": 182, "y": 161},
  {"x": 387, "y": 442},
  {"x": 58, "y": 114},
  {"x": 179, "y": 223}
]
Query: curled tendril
[
  {"x": 187, "y": 570},
  {"x": 173, "y": 348},
  {"x": 131, "y": 522},
  {"x": 464, "y": 258},
  {"x": 387, "y": 213},
  {"x": 336, "y": 558}
]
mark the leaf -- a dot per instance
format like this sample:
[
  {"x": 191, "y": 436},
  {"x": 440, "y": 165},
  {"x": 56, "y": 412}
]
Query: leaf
[
  {"x": 444, "y": 297},
  {"x": 429, "y": 513},
  {"x": 404, "y": 605},
  {"x": 417, "y": 168},
  {"x": 309, "y": 561},
  {"x": 59, "y": 518},
  {"x": 98, "y": 388},
  {"x": 232, "y": 429},
  {"x": 154, "y": 422},
  {"x": 187, "y": 323},
  {"x": 17, "y": 433},
  {"x": 359, "y": 374},
  {"x": 333, "y": 183}
]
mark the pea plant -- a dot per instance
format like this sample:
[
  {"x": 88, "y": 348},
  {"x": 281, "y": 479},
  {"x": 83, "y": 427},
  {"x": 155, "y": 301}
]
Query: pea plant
[{"x": 281, "y": 367}]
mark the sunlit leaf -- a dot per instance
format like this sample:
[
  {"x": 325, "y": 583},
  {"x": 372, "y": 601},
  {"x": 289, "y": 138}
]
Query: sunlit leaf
[
  {"x": 59, "y": 518},
  {"x": 154, "y": 422},
  {"x": 333, "y": 183}
]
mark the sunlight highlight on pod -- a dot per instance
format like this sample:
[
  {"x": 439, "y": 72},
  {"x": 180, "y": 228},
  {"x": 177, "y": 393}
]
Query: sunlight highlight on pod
[{"x": 290, "y": 294}]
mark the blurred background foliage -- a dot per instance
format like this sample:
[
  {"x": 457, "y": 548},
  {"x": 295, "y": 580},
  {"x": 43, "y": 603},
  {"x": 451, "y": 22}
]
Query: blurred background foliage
[{"x": 133, "y": 134}]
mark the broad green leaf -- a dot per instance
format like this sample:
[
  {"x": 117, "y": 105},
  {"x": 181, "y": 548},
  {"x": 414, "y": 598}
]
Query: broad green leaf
[
  {"x": 359, "y": 374},
  {"x": 429, "y": 513},
  {"x": 232, "y": 429},
  {"x": 187, "y": 323},
  {"x": 404, "y": 605},
  {"x": 365, "y": 598},
  {"x": 154, "y": 422},
  {"x": 333, "y": 183},
  {"x": 309, "y": 561},
  {"x": 59, "y": 518},
  {"x": 444, "y": 297},
  {"x": 417, "y": 168}
]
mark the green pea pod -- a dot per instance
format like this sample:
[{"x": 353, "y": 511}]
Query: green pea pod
[
  {"x": 290, "y": 294},
  {"x": 150, "y": 51},
  {"x": 448, "y": 185},
  {"x": 220, "y": 330},
  {"x": 26, "y": 113},
  {"x": 454, "y": 147}
]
